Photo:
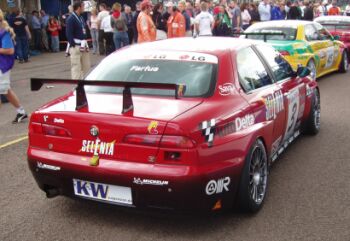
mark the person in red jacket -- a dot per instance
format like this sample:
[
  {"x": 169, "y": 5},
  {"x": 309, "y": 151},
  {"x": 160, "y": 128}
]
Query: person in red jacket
[
  {"x": 334, "y": 9},
  {"x": 176, "y": 24},
  {"x": 53, "y": 28}
]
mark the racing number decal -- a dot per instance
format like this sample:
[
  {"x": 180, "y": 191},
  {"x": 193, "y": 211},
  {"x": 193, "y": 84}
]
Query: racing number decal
[
  {"x": 330, "y": 57},
  {"x": 293, "y": 110}
]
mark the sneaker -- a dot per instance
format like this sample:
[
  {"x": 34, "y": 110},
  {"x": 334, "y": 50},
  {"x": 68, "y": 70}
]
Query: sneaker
[{"x": 19, "y": 118}]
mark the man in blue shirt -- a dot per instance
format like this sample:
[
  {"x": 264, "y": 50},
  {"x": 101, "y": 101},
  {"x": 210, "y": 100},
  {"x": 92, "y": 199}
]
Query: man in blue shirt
[
  {"x": 36, "y": 27},
  {"x": 78, "y": 47},
  {"x": 6, "y": 63}
]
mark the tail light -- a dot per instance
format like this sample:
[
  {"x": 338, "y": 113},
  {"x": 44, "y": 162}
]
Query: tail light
[
  {"x": 145, "y": 140},
  {"x": 48, "y": 130},
  {"x": 284, "y": 52},
  {"x": 158, "y": 140}
]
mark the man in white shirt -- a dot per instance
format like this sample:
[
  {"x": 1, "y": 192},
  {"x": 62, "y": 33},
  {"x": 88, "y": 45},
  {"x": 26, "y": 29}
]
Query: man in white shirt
[
  {"x": 108, "y": 34},
  {"x": 265, "y": 10},
  {"x": 101, "y": 15},
  {"x": 204, "y": 22}
]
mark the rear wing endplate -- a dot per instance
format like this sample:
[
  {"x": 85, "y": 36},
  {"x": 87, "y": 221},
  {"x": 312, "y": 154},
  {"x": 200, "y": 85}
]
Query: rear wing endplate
[{"x": 81, "y": 100}]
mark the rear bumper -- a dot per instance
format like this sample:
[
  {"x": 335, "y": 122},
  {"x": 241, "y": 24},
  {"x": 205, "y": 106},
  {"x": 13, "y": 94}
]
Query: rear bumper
[{"x": 183, "y": 188}]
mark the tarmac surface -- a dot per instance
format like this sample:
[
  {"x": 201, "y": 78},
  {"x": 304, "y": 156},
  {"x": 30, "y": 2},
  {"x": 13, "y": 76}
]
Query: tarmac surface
[{"x": 308, "y": 196}]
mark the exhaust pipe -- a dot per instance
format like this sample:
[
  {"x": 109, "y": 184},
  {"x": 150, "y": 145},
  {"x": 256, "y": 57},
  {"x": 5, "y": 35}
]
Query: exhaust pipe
[{"x": 52, "y": 192}]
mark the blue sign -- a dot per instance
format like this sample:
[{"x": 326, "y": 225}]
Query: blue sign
[{"x": 11, "y": 3}]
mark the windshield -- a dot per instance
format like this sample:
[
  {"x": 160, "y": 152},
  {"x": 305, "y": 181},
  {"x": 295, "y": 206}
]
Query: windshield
[
  {"x": 289, "y": 33},
  {"x": 197, "y": 74}
]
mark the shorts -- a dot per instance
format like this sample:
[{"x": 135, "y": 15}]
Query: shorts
[{"x": 4, "y": 82}]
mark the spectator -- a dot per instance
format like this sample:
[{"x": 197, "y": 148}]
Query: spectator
[
  {"x": 308, "y": 12},
  {"x": 108, "y": 33},
  {"x": 127, "y": 14},
  {"x": 347, "y": 10},
  {"x": 301, "y": 8},
  {"x": 119, "y": 25},
  {"x": 93, "y": 25},
  {"x": 245, "y": 16},
  {"x": 176, "y": 24},
  {"x": 101, "y": 15},
  {"x": 36, "y": 28},
  {"x": 134, "y": 20},
  {"x": 265, "y": 10},
  {"x": 182, "y": 8},
  {"x": 78, "y": 48},
  {"x": 145, "y": 27},
  {"x": 23, "y": 35},
  {"x": 223, "y": 25},
  {"x": 44, "y": 24},
  {"x": 63, "y": 20},
  {"x": 53, "y": 29},
  {"x": 159, "y": 21},
  {"x": 204, "y": 22},
  {"x": 254, "y": 13},
  {"x": 236, "y": 17},
  {"x": 323, "y": 8},
  {"x": 334, "y": 9},
  {"x": 294, "y": 11},
  {"x": 7, "y": 37},
  {"x": 276, "y": 12}
]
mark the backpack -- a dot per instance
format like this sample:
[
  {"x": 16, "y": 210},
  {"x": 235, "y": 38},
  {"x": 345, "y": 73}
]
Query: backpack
[{"x": 6, "y": 61}]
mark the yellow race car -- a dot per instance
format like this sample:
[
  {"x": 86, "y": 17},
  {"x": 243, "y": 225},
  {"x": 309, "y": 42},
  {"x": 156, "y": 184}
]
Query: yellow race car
[{"x": 303, "y": 42}]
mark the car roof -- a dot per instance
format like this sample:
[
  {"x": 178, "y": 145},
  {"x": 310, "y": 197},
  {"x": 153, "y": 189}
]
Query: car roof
[
  {"x": 333, "y": 18},
  {"x": 209, "y": 45},
  {"x": 279, "y": 23}
]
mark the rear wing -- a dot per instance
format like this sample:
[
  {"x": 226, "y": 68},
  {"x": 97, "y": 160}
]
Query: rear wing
[
  {"x": 265, "y": 34},
  {"x": 81, "y": 100}
]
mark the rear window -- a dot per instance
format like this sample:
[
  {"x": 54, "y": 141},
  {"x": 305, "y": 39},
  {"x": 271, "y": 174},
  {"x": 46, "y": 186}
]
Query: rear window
[
  {"x": 336, "y": 26},
  {"x": 289, "y": 33},
  {"x": 194, "y": 71}
]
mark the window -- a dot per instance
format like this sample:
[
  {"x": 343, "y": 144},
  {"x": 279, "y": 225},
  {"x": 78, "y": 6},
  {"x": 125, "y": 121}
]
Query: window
[
  {"x": 282, "y": 33},
  {"x": 251, "y": 71},
  {"x": 198, "y": 77},
  {"x": 279, "y": 66},
  {"x": 311, "y": 33},
  {"x": 322, "y": 33}
]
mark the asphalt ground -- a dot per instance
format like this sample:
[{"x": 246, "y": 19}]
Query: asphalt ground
[{"x": 308, "y": 197}]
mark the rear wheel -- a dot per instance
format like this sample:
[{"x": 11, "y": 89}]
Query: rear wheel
[
  {"x": 253, "y": 185},
  {"x": 313, "y": 123},
  {"x": 344, "y": 64},
  {"x": 313, "y": 72}
]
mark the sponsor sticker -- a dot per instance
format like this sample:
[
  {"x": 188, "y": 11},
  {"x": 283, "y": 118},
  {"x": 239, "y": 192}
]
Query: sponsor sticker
[
  {"x": 48, "y": 167},
  {"x": 273, "y": 104},
  {"x": 178, "y": 55},
  {"x": 226, "y": 89},
  {"x": 244, "y": 122},
  {"x": 98, "y": 147},
  {"x": 140, "y": 181},
  {"x": 217, "y": 186},
  {"x": 208, "y": 131},
  {"x": 152, "y": 127}
]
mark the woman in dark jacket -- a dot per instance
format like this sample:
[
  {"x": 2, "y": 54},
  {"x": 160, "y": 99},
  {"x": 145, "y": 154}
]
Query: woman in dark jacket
[
  {"x": 159, "y": 21},
  {"x": 254, "y": 13}
]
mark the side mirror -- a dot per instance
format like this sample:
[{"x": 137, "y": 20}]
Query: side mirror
[
  {"x": 303, "y": 71},
  {"x": 336, "y": 37}
]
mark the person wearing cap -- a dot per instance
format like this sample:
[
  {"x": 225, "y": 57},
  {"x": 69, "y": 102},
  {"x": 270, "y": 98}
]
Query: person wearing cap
[
  {"x": 78, "y": 48},
  {"x": 176, "y": 24},
  {"x": 145, "y": 27}
]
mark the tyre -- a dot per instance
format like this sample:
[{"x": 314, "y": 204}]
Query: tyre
[
  {"x": 312, "y": 125},
  {"x": 254, "y": 178},
  {"x": 313, "y": 72},
  {"x": 344, "y": 64}
]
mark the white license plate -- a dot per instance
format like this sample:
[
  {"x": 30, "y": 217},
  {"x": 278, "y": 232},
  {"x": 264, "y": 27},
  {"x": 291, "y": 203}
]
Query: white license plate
[{"x": 102, "y": 192}]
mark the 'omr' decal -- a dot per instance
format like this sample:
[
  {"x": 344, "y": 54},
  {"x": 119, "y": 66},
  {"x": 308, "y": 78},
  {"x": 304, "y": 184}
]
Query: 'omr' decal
[{"x": 208, "y": 130}]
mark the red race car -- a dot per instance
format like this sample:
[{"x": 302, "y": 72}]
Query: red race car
[
  {"x": 337, "y": 26},
  {"x": 181, "y": 124}
]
